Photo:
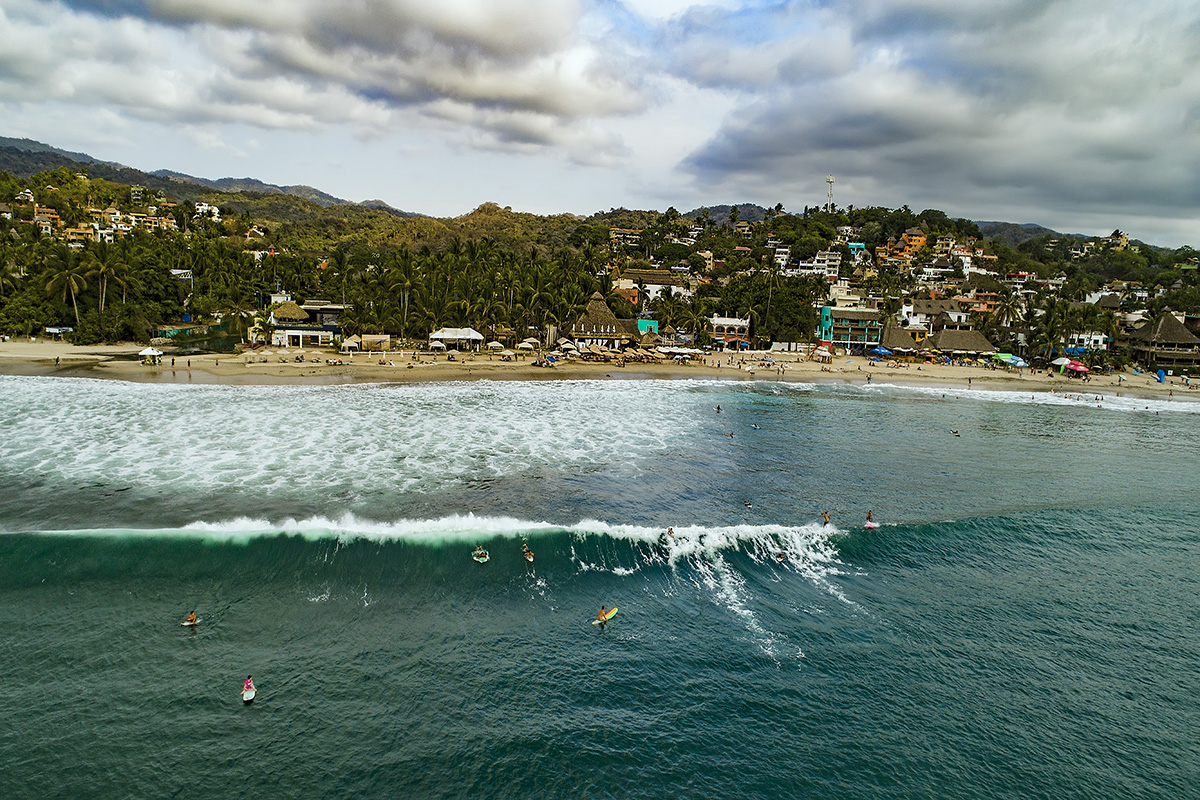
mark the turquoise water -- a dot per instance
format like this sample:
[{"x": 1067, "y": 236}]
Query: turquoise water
[{"x": 1024, "y": 624}]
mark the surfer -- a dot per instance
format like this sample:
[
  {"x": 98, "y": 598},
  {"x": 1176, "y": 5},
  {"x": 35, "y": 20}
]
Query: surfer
[
  {"x": 718, "y": 409},
  {"x": 671, "y": 533},
  {"x": 747, "y": 504},
  {"x": 825, "y": 514},
  {"x": 248, "y": 686},
  {"x": 525, "y": 551},
  {"x": 870, "y": 516},
  {"x": 191, "y": 619},
  {"x": 602, "y": 617}
]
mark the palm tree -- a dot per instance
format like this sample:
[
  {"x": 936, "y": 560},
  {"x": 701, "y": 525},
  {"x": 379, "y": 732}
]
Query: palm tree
[
  {"x": 67, "y": 273},
  {"x": 106, "y": 263}
]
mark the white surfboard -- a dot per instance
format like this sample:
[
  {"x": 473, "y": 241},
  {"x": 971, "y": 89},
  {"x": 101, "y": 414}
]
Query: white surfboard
[{"x": 248, "y": 696}]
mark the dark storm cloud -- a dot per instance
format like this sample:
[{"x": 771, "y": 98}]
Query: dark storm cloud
[{"x": 1087, "y": 106}]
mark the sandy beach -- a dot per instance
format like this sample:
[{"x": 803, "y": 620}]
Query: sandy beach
[{"x": 121, "y": 362}]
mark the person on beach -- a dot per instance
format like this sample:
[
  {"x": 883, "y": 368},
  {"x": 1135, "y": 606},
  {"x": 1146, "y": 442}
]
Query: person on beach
[
  {"x": 602, "y": 617},
  {"x": 825, "y": 514}
]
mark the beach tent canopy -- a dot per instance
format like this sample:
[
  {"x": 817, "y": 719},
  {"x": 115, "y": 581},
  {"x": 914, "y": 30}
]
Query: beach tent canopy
[
  {"x": 495, "y": 346},
  {"x": 524, "y": 346},
  {"x": 150, "y": 351},
  {"x": 507, "y": 353},
  {"x": 457, "y": 334},
  {"x": 437, "y": 345}
]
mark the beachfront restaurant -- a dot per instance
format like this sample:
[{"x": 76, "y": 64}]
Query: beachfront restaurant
[{"x": 294, "y": 328}]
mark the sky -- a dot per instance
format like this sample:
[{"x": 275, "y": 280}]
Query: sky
[{"x": 1081, "y": 115}]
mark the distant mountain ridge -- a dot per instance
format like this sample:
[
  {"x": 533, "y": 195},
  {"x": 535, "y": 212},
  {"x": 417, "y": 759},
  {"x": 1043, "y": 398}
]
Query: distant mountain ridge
[
  {"x": 27, "y": 157},
  {"x": 255, "y": 185}
]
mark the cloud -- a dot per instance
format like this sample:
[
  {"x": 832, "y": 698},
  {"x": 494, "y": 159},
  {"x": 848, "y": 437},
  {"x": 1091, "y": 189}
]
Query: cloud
[
  {"x": 1014, "y": 105},
  {"x": 308, "y": 64}
]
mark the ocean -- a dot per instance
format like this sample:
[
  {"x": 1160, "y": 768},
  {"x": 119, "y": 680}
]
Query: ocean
[{"x": 1024, "y": 624}]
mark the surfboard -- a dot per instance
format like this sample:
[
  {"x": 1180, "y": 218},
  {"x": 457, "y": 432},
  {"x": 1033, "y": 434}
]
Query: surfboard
[
  {"x": 248, "y": 696},
  {"x": 529, "y": 556},
  {"x": 190, "y": 624},
  {"x": 871, "y": 525},
  {"x": 611, "y": 613},
  {"x": 481, "y": 557}
]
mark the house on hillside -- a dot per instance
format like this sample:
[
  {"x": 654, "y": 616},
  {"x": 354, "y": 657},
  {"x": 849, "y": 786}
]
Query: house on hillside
[{"x": 655, "y": 282}]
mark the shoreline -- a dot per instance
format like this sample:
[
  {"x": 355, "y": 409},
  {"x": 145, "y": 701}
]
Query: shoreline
[{"x": 120, "y": 362}]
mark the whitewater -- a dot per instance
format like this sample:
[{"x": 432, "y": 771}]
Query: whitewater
[{"x": 1019, "y": 626}]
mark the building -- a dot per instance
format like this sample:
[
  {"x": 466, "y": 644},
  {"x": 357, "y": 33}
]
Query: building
[
  {"x": 962, "y": 342},
  {"x": 850, "y": 328},
  {"x": 655, "y": 282},
  {"x": 730, "y": 331},
  {"x": 1165, "y": 343},
  {"x": 598, "y": 325},
  {"x": 294, "y": 328}
]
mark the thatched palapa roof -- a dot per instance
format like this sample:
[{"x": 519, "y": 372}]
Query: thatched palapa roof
[
  {"x": 290, "y": 311},
  {"x": 896, "y": 338},
  {"x": 1167, "y": 330},
  {"x": 966, "y": 341}
]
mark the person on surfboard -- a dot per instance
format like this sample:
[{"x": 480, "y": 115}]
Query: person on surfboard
[
  {"x": 602, "y": 617},
  {"x": 191, "y": 619},
  {"x": 870, "y": 516},
  {"x": 248, "y": 686},
  {"x": 825, "y": 514}
]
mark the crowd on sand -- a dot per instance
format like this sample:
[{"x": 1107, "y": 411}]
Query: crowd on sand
[{"x": 22, "y": 356}]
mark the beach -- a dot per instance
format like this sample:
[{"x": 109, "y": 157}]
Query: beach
[{"x": 121, "y": 362}]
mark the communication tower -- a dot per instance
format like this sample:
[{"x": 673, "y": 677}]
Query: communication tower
[{"x": 829, "y": 202}]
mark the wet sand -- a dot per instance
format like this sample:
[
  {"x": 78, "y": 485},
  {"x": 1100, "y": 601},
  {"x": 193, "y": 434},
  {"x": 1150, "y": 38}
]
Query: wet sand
[{"x": 120, "y": 362}]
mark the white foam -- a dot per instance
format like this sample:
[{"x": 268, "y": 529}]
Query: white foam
[{"x": 417, "y": 438}]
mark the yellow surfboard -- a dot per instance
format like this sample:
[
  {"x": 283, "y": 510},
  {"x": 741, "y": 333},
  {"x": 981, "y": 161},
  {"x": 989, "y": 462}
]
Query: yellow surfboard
[{"x": 607, "y": 617}]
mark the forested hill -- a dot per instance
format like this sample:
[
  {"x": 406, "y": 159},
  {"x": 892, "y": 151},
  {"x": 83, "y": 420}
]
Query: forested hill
[{"x": 24, "y": 158}]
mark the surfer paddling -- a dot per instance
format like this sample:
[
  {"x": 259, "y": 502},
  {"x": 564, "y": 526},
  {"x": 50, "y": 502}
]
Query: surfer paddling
[{"x": 191, "y": 619}]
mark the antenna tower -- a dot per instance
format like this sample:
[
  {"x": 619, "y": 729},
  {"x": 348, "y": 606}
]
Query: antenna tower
[{"x": 829, "y": 202}]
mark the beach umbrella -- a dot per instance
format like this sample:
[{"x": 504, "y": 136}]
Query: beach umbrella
[
  {"x": 507, "y": 353},
  {"x": 568, "y": 345},
  {"x": 1075, "y": 366},
  {"x": 1017, "y": 361},
  {"x": 882, "y": 351},
  {"x": 1058, "y": 362},
  {"x": 150, "y": 351},
  {"x": 531, "y": 340}
]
